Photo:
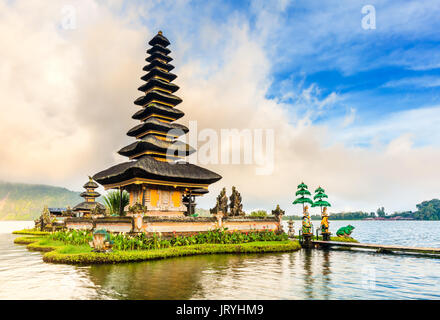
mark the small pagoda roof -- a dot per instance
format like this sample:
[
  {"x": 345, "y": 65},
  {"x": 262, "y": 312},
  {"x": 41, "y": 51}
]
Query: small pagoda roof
[
  {"x": 199, "y": 192},
  {"x": 159, "y": 73},
  {"x": 156, "y": 125},
  {"x": 90, "y": 184},
  {"x": 158, "y": 48},
  {"x": 151, "y": 143},
  {"x": 158, "y": 83},
  {"x": 160, "y": 40},
  {"x": 93, "y": 194},
  {"x": 56, "y": 211},
  {"x": 150, "y": 168},
  {"x": 87, "y": 206},
  {"x": 154, "y": 108},
  {"x": 157, "y": 95},
  {"x": 158, "y": 63}
]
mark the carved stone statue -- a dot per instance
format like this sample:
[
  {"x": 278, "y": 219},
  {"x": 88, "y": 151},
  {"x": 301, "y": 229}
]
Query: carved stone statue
[
  {"x": 98, "y": 211},
  {"x": 137, "y": 208},
  {"x": 278, "y": 213},
  {"x": 306, "y": 223},
  {"x": 291, "y": 232},
  {"x": 46, "y": 215},
  {"x": 101, "y": 241},
  {"x": 235, "y": 203},
  {"x": 69, "y": 212},
  {"x": 44, "y": 221},
  {"x": 221, "y": 203},
  {"x": 324, "y": 221}
]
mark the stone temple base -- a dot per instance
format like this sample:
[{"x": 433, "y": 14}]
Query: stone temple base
[{"x": 177, "y": 224}]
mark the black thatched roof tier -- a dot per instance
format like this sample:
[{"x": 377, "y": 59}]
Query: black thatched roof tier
[
  {"x": 90, "y": 184},
  {"x": 159, "y": 73},
  {"x": 158, "y": 64},
  {"x": 160, "y": 40},
  {"x": 156, "y": 148},
  {"x": 159, "y": 96},
  {"x": 158, "y": 109},
  {"x": 93, "y": 194},
  {"x": 150, "y": 168},
  {"x": 158, "y": 56},
  {"x": 151, "y": 143},
  {"x": 158, "y": 83},
  {"x": 87, "y": 206},
  {"x": 159, "y": 48},
  {"x": 156, "y": 125},
  {"x": 199, "y": 192}
]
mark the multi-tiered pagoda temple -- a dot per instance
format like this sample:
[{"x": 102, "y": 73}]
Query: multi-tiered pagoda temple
[{"x": 157, "y": 175}]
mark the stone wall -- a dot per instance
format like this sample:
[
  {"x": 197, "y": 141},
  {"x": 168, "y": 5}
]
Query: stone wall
[{"x": 180, "y": 225}]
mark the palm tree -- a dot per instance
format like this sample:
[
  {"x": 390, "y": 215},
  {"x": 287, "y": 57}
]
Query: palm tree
[{"x": 112, "y": 201}]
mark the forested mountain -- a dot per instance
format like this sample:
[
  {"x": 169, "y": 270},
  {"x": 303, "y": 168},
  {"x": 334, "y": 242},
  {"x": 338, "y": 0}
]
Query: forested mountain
[{"x": 26, "y": 201}]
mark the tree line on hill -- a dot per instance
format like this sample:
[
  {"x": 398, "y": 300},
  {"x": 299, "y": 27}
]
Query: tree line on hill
[
  {"x": 427, "y": 210},
  {"x": 19, "y": 201}
]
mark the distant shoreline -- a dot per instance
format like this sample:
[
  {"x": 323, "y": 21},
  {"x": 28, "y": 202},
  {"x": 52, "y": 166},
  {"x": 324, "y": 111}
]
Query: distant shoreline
[{"x": 297, "y": 218}]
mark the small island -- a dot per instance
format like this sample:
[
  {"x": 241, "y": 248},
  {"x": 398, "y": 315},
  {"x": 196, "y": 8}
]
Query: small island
[{"x": 152, "y": 205}]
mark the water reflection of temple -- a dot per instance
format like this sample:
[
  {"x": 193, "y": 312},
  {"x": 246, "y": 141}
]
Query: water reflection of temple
[{"x": 174, "y": 278}]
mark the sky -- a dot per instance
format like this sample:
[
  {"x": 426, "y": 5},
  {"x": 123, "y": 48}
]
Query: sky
[{"x": 355, "y": 110}]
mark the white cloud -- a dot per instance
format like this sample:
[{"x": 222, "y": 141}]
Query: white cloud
[
  {"x": 414, "y": 82},
  {"x": 349, "y": 118},
  {"x": 68, "y": 99}
]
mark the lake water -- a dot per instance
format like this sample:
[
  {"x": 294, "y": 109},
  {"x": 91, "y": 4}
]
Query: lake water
[{"x": 314, "y": 274}]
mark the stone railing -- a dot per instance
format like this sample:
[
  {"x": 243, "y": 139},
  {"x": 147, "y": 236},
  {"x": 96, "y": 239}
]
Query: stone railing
[{"x": 180, "y": 225}]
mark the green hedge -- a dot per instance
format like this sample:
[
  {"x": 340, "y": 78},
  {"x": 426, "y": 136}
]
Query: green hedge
[
  {"x": 31, "y": 232},
  {"x": 26, "y": 240},
  {"x": 143, "y": 242},
  {"x": 59, "y": 252},
  {"x": 143, "y": 255}
]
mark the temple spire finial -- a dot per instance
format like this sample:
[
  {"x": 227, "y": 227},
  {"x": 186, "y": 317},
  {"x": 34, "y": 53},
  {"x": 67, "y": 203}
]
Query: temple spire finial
[{"x": 160, "y": 32}]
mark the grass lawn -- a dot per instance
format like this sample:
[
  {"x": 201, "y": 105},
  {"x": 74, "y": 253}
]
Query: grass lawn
[
  {"x": 338, "y": 239},
  {"x": 31, "y": 232},
  {"x": 59, "y": 252}
]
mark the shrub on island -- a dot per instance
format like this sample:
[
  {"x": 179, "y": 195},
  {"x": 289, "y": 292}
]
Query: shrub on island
[
  {"x": 143, "y": 255},
  {"x": 143, "y": 242},
  {"x": 34, "y": 232}
]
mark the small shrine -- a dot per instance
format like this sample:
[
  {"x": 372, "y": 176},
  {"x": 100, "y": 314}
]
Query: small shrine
[{"x": 89, "y": 206}]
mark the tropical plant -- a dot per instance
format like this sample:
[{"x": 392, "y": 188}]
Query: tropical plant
[
  {"x": 155, "y": 241},
  {"x": 303, "y": 192},
  {"x": 112, "y": 200},
  {"x": 258, "y": 213}
]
